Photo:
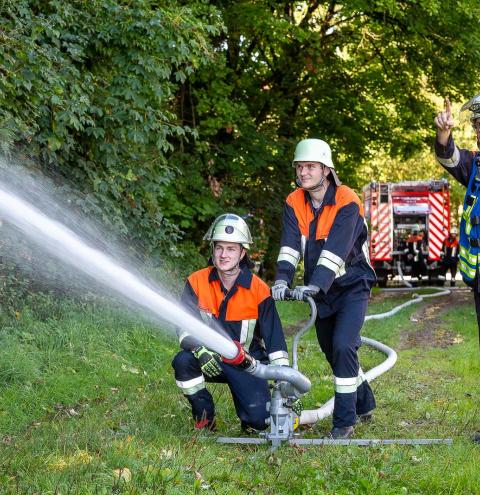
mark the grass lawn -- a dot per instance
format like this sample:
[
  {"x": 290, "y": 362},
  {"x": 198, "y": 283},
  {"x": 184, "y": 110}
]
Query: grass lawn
[{"x": 88, "y": 405}]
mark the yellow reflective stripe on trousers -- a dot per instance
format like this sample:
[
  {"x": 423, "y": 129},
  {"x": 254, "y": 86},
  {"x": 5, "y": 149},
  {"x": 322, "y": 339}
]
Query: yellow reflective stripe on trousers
[
  {"x": 360, "y": 377},
  {"x": 345, "y": 385},
  {"x": 189, "y": 387}
]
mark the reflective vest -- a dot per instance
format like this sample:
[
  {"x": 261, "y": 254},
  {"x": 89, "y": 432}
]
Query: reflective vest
[{"x": 470, "y": 226}]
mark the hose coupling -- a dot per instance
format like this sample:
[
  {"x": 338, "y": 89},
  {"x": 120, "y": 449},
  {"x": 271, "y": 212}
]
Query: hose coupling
[{"x": 242, "y": 360}]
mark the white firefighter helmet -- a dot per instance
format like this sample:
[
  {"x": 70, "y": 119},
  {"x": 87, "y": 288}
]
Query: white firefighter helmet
[
  {"x": 473, "y": 105},
  {"x": 316, "y": 150},
  {"x": 229, "y": 228}
]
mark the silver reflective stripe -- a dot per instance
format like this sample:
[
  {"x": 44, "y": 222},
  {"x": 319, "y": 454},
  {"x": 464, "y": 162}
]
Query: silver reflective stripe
[
  {"x": 345, "y": 385},
  {"x": 278, "y": 358},
  {"x": 246, "y": 333},
  {"x": 360, "y": 377},
  {"x": 332, "y": 262},
  {"x": 189, "y": 387},
  {"x": 365, "y": 248},
  {"x": 451, "y": 162},
  {"x": 303, "y": 242},
  {"x": 290, "y": 255},
  {"x": 182, "y": 336}
]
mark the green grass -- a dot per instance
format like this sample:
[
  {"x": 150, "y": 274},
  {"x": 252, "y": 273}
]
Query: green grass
[{"x": 91, "y": 391}]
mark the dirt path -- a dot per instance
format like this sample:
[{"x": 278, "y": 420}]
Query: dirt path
[{"x": 428, "y": 323}]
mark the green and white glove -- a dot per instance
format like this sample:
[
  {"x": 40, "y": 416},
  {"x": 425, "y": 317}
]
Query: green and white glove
[
  {"x": 209, "y": 361},
  {"x": 296, "y": 405}
]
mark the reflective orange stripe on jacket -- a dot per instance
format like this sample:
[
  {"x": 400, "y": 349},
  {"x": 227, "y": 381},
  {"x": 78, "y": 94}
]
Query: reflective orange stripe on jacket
[
  {"x": 243, "y": 305},
  {"x": 343, "y": 196}
]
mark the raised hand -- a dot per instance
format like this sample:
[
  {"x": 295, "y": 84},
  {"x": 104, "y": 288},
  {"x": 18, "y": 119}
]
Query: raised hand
[{"x": 444, "y": 120}]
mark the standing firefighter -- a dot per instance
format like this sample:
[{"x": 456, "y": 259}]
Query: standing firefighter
[
  {"x": 450, "y": 255},
  {"x": 416, "y": 253},
  {"x": 226, "y": 295},
  {"x": 464, "y": 166},
  {"x": 323, "y": 221}
]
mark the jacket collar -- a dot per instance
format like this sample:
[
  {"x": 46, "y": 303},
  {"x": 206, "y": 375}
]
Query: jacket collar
[
  {"x": 328, "y": 199},
  {"x": 244, "y": 278}
]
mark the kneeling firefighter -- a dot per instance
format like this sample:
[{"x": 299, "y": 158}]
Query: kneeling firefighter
[
  {"x": 228, "y": 296},
  {"x": 323, "y": 220}
]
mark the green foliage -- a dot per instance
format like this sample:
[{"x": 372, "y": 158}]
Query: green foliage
[
  {"x": 166, "y": 115},
  {"x": 88, "y": 89},
  {"x": 358, "y": 74}
]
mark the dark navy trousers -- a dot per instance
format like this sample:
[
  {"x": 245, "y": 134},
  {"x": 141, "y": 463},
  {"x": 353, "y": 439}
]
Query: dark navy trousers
[
  {"x": 250, "y": 394},
  {"x": 338, "y": 326}
]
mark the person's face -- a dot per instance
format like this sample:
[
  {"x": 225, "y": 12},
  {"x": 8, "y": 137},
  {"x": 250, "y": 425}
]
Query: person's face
[
  {"x": 310, "y": 173},
  {"x": 476, "y": 128},
  {"x": 227, "y": 255}
]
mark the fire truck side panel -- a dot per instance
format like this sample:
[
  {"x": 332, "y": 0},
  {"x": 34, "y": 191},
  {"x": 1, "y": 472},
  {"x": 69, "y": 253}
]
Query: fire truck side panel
[
  {"x": 394, "y": 211},
  {"x": 438, "y": 222},
  {"x": 381, "y": 224}
]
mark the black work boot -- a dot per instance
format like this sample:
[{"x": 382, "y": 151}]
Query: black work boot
[
  {"x": 343, "y": 433},
  {"x": 365, "y": 417}
]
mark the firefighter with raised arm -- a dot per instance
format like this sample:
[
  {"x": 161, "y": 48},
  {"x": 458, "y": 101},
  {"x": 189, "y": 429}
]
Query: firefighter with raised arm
[
  {"x": 323, "y": 220},
  {"x": 464, "y": 166},
  {"x": 450, "y": 255},
  {"x": 227, "y": 295}
]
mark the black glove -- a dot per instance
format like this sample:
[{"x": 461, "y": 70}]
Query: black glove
[{"x": 209, "y": 361}]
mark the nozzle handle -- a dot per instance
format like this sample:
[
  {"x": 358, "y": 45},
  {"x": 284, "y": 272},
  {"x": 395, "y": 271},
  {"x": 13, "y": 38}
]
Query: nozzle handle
[{"x": 242, "y": 360}]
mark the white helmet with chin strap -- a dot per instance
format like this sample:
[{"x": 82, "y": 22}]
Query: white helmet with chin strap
[
  {"x": 229, "y": 228},
  {"x": 316, "y": 150}
]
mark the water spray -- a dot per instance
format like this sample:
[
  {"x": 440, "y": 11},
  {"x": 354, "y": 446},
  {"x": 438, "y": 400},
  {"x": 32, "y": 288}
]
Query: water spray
[{"x": 66, "y": 245}]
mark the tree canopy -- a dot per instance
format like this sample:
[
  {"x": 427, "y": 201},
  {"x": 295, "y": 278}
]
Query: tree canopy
[{"x": 166, "y": 115}]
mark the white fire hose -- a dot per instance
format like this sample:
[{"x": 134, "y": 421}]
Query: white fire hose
[{"x": 313, "y": 415}]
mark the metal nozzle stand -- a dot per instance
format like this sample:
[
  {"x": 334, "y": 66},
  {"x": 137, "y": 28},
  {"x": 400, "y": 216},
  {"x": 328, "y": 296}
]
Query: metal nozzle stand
[
  {"x": 282, "y": 420},
  {"x": 290, "y": 384}
]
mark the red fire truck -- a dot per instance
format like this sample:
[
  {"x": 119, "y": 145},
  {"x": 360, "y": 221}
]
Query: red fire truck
[{"x": 394, "y": 211}]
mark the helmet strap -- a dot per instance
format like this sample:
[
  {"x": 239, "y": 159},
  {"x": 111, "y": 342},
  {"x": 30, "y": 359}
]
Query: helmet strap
[
  {"x": 314, "y": 188},
  {"x": 317, "y": 186}
]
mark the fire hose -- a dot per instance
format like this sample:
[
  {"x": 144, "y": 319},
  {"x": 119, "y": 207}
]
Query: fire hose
[{"x": 289, "y": 382}]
